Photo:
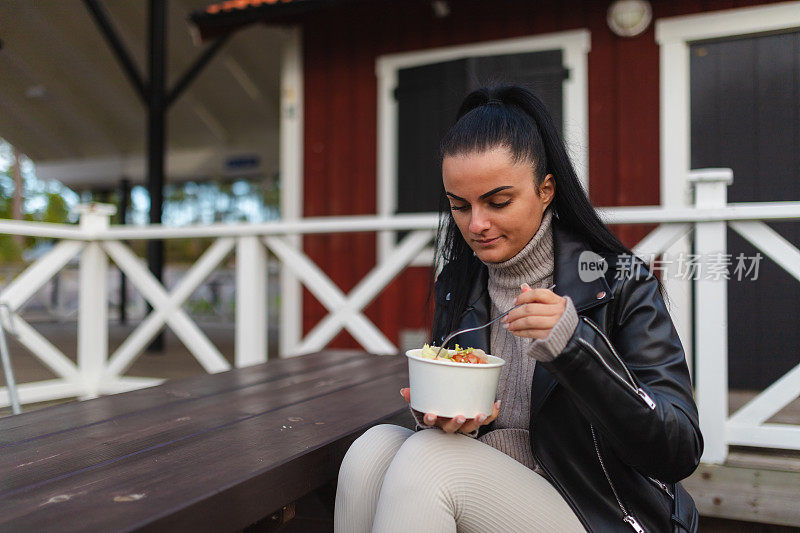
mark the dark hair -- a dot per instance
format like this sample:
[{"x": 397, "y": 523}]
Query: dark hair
[{"x": 515, "y": 118}]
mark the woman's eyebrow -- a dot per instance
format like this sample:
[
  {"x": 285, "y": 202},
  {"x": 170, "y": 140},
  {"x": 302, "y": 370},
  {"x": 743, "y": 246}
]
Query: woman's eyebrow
[
  {"x": 483, "y": 196},
  {"x": 454, "y": 196},
  {"x": 495, "y": 191}
]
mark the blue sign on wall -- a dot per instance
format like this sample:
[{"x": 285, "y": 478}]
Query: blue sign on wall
[{"x": 242, "y": 162}]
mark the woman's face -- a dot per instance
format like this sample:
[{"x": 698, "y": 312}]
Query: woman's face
[{"x": 495, "y": 202}]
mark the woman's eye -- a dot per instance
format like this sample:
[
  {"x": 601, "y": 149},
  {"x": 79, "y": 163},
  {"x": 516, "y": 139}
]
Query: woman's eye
[
  {"x": 458, "y": 207},
  {"x": 500, "y": 204}
]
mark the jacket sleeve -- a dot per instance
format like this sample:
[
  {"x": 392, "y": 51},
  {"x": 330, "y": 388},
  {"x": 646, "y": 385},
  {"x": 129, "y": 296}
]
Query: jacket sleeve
[{"x": 635, "y": 387}]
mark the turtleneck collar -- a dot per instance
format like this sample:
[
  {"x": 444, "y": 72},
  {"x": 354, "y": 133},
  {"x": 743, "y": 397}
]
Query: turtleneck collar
[{"x": 532, "y": 264}]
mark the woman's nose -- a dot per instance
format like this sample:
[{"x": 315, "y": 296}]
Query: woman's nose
[{"x": 479, "y": 222}]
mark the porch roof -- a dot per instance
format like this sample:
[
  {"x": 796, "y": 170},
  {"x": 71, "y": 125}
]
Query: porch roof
[
  {"x": 67, "y": 104},
  {"x": 224, "y": 17}
]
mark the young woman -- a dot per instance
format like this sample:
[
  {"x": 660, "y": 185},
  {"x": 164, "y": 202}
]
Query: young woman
[{"x": 595, "y": 422}]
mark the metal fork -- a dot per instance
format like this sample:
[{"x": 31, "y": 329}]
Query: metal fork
[{"x": 465, "y": 330}]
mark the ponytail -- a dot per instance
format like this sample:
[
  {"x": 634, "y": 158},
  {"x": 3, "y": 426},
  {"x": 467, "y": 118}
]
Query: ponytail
[{"x": 514, "y": 118}]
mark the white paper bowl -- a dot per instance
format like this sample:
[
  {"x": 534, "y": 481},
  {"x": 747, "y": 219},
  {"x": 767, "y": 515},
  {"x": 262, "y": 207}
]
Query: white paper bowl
[{"x": 451, "y": 389}]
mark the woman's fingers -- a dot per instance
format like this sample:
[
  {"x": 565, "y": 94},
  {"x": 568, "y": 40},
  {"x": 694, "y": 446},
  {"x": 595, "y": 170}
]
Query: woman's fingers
[
  {"x": 460, "y": 422},
  {"x": 532, "y": 322},
  {"x": 538, "y": 295},
  {"x": 533, "y": 333},
  {"x": 472, "y": 424},
  {"x": 481, "y": 420},
  {"x": 430, "y": 419},
  {"x": 495, "y": 412},
  {"x": 406, "y": 394},
  {"x": 535, "y": 309},
  {"x": 541, "y": 309},
  {"x": 453, "y": 424}
]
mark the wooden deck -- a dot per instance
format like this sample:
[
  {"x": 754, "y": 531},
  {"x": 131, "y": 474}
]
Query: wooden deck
[
  {"x": 208, "y": 453},
  {"x": 755, "y": 485}
]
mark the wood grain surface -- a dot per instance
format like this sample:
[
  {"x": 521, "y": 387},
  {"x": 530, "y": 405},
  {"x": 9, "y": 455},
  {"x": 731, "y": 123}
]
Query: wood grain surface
[{"x": 215, "y": 452}]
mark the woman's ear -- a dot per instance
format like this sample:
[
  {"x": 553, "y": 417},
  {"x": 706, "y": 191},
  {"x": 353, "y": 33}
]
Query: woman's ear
[{"x": 547, "y": 190}]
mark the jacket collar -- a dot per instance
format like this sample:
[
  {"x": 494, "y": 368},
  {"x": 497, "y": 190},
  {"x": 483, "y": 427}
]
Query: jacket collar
[
  {"x": 476, "y": 313},
  {"x": 570, "y": 251},
  {"x": 568, "y": 248}
]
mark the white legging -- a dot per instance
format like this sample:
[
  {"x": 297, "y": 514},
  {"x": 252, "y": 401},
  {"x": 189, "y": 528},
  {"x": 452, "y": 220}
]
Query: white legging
[{"x": 393, "y": 480}]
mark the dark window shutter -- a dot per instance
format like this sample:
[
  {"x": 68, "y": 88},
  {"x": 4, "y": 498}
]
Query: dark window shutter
[
  {"x": 745, "y": 114},
  {"x": 543, "y": 72},
  {"x": 428, "y": 98}
]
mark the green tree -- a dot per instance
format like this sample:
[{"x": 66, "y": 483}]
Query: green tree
[
  {"x": 56, "y": 210},
  {"x": 27, "y": 198},
  {"x": 10, "y": 250}
]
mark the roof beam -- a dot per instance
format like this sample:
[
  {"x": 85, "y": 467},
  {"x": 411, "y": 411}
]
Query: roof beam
[
  {"x": 208, "y": 119},
  {"x": 123, "y": 56},
  {"x": 243, "y": 79},
  {"x": 87, "y": 70},
  {"x": 192, "y": 72}
]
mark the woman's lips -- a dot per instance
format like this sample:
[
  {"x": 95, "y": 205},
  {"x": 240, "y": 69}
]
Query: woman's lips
[{"x": 486, "y": 242}]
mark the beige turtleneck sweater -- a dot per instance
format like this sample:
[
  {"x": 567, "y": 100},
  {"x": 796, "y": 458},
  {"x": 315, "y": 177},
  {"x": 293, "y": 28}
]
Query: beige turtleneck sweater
[{"x": 534, "y": 265}]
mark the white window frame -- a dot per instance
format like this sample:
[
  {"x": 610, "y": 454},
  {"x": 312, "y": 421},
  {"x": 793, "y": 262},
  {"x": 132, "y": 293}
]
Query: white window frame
[
  {"x": 674, "y": 36},
  {"x": 575, "y": 46}
]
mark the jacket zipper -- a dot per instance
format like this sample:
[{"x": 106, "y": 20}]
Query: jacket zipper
[
  {"x": 630, "y": 384},
  {"x": 599, "y": 331},
  {"x": 663, "y": 486},
  {"x": 638, "y": 391},
  {"x": 627, "y": 517}
]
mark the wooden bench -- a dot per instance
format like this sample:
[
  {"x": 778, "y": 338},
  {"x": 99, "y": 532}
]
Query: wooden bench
[{"x": 210, "y": 453}]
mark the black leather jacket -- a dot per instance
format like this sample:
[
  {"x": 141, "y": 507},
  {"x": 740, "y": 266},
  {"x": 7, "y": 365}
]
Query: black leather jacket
[{"x": 619, "y": 393}]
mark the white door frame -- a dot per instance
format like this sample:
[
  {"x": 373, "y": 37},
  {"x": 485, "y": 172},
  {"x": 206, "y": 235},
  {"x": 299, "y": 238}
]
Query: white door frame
[
  {"x": 674, "y": 36},
  {"x": 575, "y": 46}
]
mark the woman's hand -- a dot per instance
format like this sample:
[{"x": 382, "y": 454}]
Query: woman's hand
[
  {"x": 542, "y": 310},
  {"x": 458, "y": 423}
]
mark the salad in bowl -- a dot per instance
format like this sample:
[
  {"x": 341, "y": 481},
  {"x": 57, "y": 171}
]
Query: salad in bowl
[
  {"x": 460, "y": 381},
  {"x": 458, "y": 355}
]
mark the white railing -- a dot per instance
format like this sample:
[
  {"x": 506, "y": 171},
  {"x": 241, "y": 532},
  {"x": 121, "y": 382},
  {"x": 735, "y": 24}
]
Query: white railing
[
  {"x": 96, "y": 242},
  {"x": 98, "y": 372}
]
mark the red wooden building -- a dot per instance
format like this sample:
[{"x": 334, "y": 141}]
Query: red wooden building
[{"x": 374, "y": 72}]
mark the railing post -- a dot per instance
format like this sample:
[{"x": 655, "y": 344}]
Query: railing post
[
  {"x": 711, "y": 317},
  {"x": 291, "y": 175},
  {"x": 251, "y": 302},
  {"x": 93, "y": 299}
]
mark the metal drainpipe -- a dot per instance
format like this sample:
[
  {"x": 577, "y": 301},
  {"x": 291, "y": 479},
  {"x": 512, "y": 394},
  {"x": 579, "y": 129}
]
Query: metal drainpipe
[
  {"x": 124, "y": 198},
  {"x": 156, "y": 138}
]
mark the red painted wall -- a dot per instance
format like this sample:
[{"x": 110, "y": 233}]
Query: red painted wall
[{"x": 340, "y": 49}]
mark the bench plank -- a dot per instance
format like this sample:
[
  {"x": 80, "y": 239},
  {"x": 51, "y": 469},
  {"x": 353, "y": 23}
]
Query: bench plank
[
  {"x": 73, "y": 415},
  {"x": 223, "y": 475},
  {"x": 58, "y": 455}
]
